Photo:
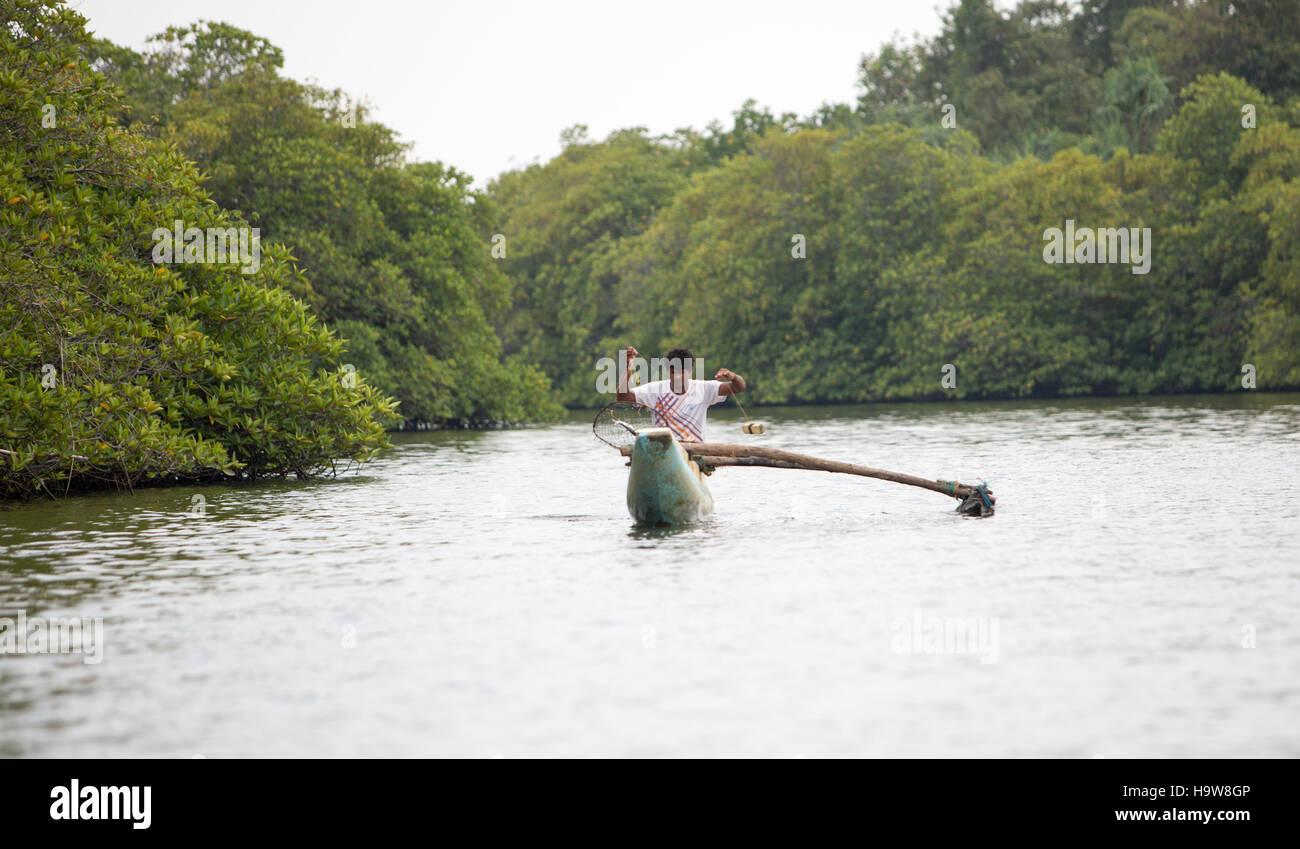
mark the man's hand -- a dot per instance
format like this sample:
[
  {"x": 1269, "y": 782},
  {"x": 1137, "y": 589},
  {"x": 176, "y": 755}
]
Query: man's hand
[{"x": 725, "y": 374}]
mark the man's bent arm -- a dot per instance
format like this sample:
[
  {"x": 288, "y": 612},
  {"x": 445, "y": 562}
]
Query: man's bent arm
[{"x": 735, "y": 385}]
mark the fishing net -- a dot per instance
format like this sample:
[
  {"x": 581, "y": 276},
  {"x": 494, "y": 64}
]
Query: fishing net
[{"x": 618, "y": 424}]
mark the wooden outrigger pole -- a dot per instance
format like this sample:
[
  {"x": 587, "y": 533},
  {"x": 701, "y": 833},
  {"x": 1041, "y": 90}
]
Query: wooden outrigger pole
[{"x": 975, "y": 500}]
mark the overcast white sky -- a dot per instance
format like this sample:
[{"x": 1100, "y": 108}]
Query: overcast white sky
[{"x": 489, "y": 86}]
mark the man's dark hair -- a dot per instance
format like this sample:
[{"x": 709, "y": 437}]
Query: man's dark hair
[{"x": 682, "y": 357}]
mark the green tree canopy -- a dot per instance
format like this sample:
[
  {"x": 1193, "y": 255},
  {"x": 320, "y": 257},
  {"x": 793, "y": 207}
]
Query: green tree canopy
[
  {"x": 118, "y": 370},
  {"x": 398, "y": 254}
]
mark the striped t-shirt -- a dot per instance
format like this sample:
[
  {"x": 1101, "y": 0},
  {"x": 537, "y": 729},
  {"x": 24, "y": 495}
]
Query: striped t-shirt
[{"x": 682, "y": 414}]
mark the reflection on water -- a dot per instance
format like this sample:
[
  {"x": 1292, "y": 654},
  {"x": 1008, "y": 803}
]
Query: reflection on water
[{"x": 484, "y": 591}]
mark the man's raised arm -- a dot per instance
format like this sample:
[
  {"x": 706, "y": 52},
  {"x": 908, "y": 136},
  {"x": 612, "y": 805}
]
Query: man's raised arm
[{"x": 624, "y": 393}]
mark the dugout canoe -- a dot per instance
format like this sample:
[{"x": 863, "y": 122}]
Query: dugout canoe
[{"x": 664, "y": 487}]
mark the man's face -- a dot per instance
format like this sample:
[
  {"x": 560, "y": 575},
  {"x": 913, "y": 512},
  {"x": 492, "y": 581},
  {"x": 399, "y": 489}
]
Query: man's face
[{"x": 678, "y": 379}]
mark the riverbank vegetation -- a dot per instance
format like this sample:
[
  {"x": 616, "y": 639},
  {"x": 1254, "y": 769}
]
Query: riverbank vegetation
[
  {"x": 852, "y": 254},
  {"x": 396, "y": 254},
  {"x": 889, "y": 248},
  {"x": 114, "y": 370}
]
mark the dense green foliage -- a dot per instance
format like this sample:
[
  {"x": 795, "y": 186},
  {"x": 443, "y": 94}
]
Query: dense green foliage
[
  {"x": 398, "y": 254},
  {"x": 925, "y": 237},
  {"x": 115, "y": 370},
  {"x": 849, "y": 255},
  {"x": 1046, "y": 75},
  {"x": 562, "y": 240}
]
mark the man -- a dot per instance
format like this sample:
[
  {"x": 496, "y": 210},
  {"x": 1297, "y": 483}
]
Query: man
[{"x": 679, "y": 403}]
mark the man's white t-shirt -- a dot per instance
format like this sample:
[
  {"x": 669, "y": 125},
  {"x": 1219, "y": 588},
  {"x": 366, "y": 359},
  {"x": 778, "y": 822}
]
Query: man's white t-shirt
[{"x": 682, "y": 414}]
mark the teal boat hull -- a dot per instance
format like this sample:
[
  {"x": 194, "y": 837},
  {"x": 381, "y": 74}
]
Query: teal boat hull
[{"x": 664, "y": 487}]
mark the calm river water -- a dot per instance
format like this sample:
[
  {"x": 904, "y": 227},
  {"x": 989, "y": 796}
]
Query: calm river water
[{"x": 485, "y": 593}]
